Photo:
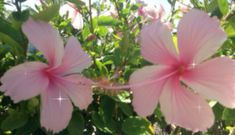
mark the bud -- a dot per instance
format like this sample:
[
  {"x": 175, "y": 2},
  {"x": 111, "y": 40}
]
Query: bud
[{"x": 91, "y": 37}]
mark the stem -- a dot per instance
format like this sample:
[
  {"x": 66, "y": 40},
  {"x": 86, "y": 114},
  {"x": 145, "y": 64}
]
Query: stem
[
  {"x": 90, "y": 14},
  {"x": 206, "y": 5},
  {"x": 119, "y": 16},
  {"x": 117, "y": 8},
  {"x": 172, "y": 11},
  {"x": 136, "y": 85},
  {"x": 230, "y": 15},
  {"x": 18, "y": 7},
  {"x": 92, "y": 30}
]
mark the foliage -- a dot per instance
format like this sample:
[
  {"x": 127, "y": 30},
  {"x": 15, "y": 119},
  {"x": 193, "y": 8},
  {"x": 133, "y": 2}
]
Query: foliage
[{"x": 112, "y": 42}]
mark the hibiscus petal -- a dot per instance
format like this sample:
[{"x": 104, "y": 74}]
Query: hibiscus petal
[
  {"x": 214, "y": 79},
  {"x": 56, "y": 109},
  {"x": 78, "y": 88},
  {"x": 145, "y": 97},
  {"x": 24, "y": 81},
  {"x": 46, "y": 39},
  {"x": 75, "y": 59},
  {"x": 73, "y": 13},
  {"x": 156, "y": 44},
  {"x": 199, "y": 36},
  {"x": 185, "y": 108},
  {"x": 68, "y": 8},
  {"x": 77, "y": 21}
]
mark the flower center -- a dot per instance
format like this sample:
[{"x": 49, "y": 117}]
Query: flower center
[
  {"x": 181, "y": 69},
  {"x": 49, "y": 74}
]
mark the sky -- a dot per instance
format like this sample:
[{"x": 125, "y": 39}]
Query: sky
[{"x": 31, "y": 3}]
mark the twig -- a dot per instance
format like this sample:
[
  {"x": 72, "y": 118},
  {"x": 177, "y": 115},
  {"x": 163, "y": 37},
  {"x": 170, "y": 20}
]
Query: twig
[
  {"x": 230, "y": 15},
  {"x": 90, "y": 14}
]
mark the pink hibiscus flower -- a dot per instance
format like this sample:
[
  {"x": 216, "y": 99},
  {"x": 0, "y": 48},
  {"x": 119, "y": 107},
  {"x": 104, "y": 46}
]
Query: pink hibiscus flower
[
  {"x": 57, "y": 83},
  {"x": 152, "y": 12},
  {"x": 183, "y": 79},
  {"x": 73, "y": 13}
]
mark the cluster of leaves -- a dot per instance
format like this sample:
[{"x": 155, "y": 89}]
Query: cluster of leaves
[{"x": 112, "y": 42}]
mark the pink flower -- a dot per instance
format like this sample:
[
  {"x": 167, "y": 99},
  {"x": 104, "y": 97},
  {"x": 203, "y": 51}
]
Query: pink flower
[
  {"x": 154, "y": 13},
  {"x": 57, "y": 83},
  {"x": 73, "y": 13},
  {"x": 184, "y": 8},
  {"x": 183, "y": 79},
  {"x": 151, "y": 12}
]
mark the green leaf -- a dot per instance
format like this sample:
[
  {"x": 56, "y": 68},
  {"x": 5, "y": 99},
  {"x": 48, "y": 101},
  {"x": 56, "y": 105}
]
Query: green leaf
[
  {"x": 77, "y": 124},
  {"x": 136, "y": 126},
  {"x": 12, "y": 37},
  {"x": 7, "y": 39},
  {"x": 126, "y": 108},
  {"x": 108, "y": 106},
  {"x": 228, "y": 114},
  {"x": 32, "y": 104},
  {"x": 223, "y": 6},
  {"x": 4, "y": 49},
  {"x": 133, "y": 56},
  {"x": 102, "y": 31},
  {"x": 48, "y": 13},
  {"x": 1, "y": 6},
  {"x": 78, "y": 3},
  {"x": 218, "y": 111},
  {"x": 99, "y": 123},
  {"x": 7, "y": 29},
  {"x": 232, "y": 20},
  {"x": 117, "y": 60},
  {"x": 14, "y": 120},
  {"x": 196, "y": 3},
  {"x": 97, "y": 120},
  {"x": 213, "y": 5},
  {"x": 107, "y": 21},
  {"x": 230, "y": 30},
  {"x": 230, "y": 27},
  {"x": 102, "y": 68},
  {"x": 29, "y": 128},
  {"x": 103, "y": 119},
  {"x": 85, "y": 32},
  {"x": 123, "y": 97},
  {"x": 21, "y": 16}
]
